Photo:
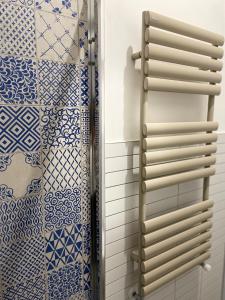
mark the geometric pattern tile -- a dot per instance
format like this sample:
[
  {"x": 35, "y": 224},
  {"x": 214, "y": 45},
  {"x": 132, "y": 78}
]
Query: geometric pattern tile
[
  {"x": 32, "y": 289},
  {"x": 85, "y": 125},
  {"x": 87, "y": 275},
  {"x": 60, "y": 127},
  {"x": 62, "y": 208},
  {"x": 83, "y": 42},
  {"x": 22, "y": 260},
  {"x": 20, "y": 219},
  {"x": 66, "y": 7},
  {"x": 87, "y": 239},
  {"x": 63, "y": 246},
  {"x": 18, "y": 80},
  {"x": 17, "y": 36},
  {"x": 22, "y": 2},
  {"x": 65, "y": 282},
  {"x": 12, "y": 185},
  {"x": 85, "y": 295},
  {"x": 61, "y": 169},
  {"x": 59, "y": 84},
  {"x": 19, "y": 129},
  {"x": 57, "y": 37},
  {"x": 84, "y": 86}
]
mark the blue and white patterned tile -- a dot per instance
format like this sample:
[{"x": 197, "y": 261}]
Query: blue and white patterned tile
[
  {"x": 18, "y": 33},
  {"x": 18, "y": 81},
  {"x": 65, "y": 282},
  {"x": 32, "y": 289},
  {"x": 85, "y": 125},
  {"x": 85, "y": 184},
  {"x": 29, "y": 3},
  {"x": 84, "y": 86},
  {"x": 57, "y": 37},
  {"x": 59, "y": 84},
  {"x": 21, "y": 261},
  {"x": 19, "y": 129},
  {"x": 63, "y": 246},
  {"x": 85, "y": 295},
  {"x": 62, "y": 208},
  {"x": 63, "y": 7},
  {"x": 83, "y": 42},
  {"x": 20, "y": 219},
  {"x": 87, "y": 239},
  {"x": 87, "y": 275},
  {"x": 61, "y": 169},
  {"x": 12, "y": 185},
  {"x": 60, "y": 127}
]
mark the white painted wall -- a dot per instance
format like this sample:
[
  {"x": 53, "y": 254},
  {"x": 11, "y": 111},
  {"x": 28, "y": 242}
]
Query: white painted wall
[
  {"x": 120, "y": 88},
  {"x": 122, "y": 21}
]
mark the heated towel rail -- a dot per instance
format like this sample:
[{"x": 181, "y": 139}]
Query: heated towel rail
[{"x": 182, "y": 58}]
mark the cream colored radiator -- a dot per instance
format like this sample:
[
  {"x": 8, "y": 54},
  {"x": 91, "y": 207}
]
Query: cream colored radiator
[{"x": 176, "y": 57}]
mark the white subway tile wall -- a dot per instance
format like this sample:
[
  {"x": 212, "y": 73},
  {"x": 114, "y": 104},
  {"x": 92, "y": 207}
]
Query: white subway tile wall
[{"x": 121, "y": 210}]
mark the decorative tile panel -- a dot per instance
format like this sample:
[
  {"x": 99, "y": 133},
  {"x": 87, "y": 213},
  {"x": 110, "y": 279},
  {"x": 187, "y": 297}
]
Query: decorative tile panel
[
  {"x": 17, "y": 36},
  {"x": 87, "y": 239},
  {"x": 63, "y": 7},
  {"x": 64, "y": 246},
  {"x": 18, "y": 80},
  {"x": 87, "y": 275},
  {"x": 85, "y": 126},
  {"x": 60, "y": 127},
  {"x": 57, "y": 37},
  {"x": 22, "y": 2},
  {"x": 32, "y": 289},
  {"x": 11, "y": 168},
  {"x": 84, "y": 86},
  {"x": 59, "y": 84},
  {"x": 83, "y": 42},
  {"x": 62, "y": 208},
  {"x": 61, "y": 169},
  {"x": 22, "y": 260},
  {"x": 19, "y": 129},
  {"x": 20, "y": 219},
  {"x": 65, "y": 282}
]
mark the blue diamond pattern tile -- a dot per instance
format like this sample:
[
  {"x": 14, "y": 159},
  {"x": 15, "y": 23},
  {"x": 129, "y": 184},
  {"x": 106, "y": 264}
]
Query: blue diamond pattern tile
[
  {"x": 63, "y": 246},
  {"x": 60, "y": 127},
  {"x": 67, "y": 7},
  {"x": 62, "y": 208},
  {"x": 18, "y": 81},
  {"x": 20, "y": 219},
  {"x": 59, "y": 84},
  {"x": 84, "y": 86},
  {"x": 22, "y": 260},
  {"x": 32, "y": 289},
  {"x": 61, "y": 169},
  {"x": 19, "y": 129},
  {"x": 65, "y": 282},
  {"x": 17, "y": 36}
]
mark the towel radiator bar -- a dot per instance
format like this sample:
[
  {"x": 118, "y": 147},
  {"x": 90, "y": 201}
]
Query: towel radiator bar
[{"x": 182, "y": 58}]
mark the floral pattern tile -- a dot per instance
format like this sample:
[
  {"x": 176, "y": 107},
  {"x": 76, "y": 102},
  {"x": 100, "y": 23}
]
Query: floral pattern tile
[
  {"x": 65, "y": 282},
  {"x": 19, "y": 129},
  {"x": 59, "y": 84},
  {"x": 31, "y": 289},
  {"x": 64, "y": 7},
  {"x": 66, "y": 212},
  {"x": 61, "y": 169},
  {"x": 22, "y": 261},
  {"x": 20, "y": 219},
  {"x": 83, "y": 42},
  {"x": 12, "y": 184},
  {"x": 20, "y": 20},
  {"x": 18, "y": 81},
  {"x": 60, "y": 127},
  {"x": 63, "y": 246},
  {"x": 57, "y": 37}
]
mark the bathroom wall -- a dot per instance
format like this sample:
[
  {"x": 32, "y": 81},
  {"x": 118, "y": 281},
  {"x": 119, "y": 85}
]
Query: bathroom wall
[
  {"x": 44, "y": 150},
  {"x": 119, "y": 88}
]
